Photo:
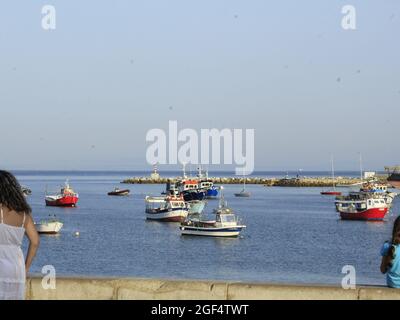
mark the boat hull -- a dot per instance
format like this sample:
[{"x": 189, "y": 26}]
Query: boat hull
[
  {"x": 212, "y": 193},
  {"x": 167, "y": 216},
  {"x": 331, "y": 193},
  {"x": 49, "y": 228},
  {"x": 67, "y": 201},
  {"x": 193, "y": 195},
  {"x": 242, "y": 194},
  {"x": 119, "y": 193},
  {"x": 370, "y": 214},
  {"x": 211, "y": 232}
]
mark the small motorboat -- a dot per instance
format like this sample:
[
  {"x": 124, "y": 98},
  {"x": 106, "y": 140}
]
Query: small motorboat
[
  {"x": 51, "y": 226},
  {"x": 225, "y": 224},
  {"x": 119, "y": 192},
  {"x": 65, "y": 198}
]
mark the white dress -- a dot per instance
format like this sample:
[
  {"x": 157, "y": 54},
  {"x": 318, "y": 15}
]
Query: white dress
[{"x": 12, "y": 264}]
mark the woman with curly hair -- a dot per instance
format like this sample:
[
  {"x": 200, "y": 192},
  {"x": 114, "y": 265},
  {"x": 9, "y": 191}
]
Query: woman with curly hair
[
  {"x": 15, "y": 222},
  {"x": 391, "y": 257}
]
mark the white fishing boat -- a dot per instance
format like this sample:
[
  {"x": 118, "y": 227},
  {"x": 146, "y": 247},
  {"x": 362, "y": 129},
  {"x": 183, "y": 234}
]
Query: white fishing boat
[
  {"x": 225, "y": 224},
  {"x": 168, "y": 209},
  {"x": 51, "y": 226}
]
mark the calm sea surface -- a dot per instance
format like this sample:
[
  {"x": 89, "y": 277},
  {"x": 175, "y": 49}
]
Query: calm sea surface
[{"x": 293, "y": 235}]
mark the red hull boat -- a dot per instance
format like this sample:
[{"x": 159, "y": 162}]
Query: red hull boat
[
  {"x": 331, "y": 193},
  {"x": 371, "y": 214},
  {"x": 366, "y": 209},
  {"x": 66, "y": 201},
  {"x": 66, "y": 198}
]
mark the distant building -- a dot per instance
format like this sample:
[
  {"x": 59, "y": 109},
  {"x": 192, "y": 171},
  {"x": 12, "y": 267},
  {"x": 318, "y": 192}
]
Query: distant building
[
  {"x": 369, "y": 174},
  {"x": 155, "y": 175}
]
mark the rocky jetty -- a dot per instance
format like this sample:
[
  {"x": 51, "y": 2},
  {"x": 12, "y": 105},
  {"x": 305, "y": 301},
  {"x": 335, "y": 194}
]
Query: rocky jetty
[{"x": 268, "y": 182}]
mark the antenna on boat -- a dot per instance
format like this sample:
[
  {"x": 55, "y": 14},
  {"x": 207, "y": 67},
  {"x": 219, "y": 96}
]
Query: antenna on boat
[
  {"x": 199, "y": 169},
  {"x": 222, "y": 202},
  {"x": 184, "y": 169},
  {"x": 361, "y": 168}
]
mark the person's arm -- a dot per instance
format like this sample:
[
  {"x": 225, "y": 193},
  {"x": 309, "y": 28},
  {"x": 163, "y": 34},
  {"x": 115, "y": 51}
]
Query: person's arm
[
  {"x": 34, "y": 241},
  {"x": 384, "y": 263}
]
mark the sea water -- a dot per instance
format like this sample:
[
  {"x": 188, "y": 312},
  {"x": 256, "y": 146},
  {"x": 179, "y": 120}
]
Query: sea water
[{"x": 293, "y": 235}]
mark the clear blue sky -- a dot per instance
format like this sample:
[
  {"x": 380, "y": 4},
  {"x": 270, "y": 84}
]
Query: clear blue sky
[{"x": 84, "y": 95}]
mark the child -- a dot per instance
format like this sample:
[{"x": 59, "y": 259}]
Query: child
[{"x": 391, "y": 257}]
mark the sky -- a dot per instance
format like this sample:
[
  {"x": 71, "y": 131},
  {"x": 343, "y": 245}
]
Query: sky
[{"x": 83, "y": 96}]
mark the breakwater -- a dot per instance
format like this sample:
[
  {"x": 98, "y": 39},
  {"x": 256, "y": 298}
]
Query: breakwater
[
  {"x": 159, "y": 289},
  {"x": 268, "y": 182}
]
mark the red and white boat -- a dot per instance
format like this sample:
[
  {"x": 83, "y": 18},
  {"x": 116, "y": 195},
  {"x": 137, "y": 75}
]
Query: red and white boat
[
  {"x": 65, "y": 198},
  {"x": 368, "y": 208},
  {"x": 171, "y": 208}
]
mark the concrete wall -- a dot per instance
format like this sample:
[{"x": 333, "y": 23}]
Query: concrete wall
[{"x": 148, "y": 289}]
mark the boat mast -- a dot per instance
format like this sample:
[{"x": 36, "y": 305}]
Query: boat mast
[
  {"x": 361, "y": 168},
  {"x": 333, "y": 173},
  {"x": 244, "y": 181}
]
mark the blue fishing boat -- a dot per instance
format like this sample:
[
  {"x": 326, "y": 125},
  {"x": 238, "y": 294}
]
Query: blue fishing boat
[{"x": 207, "y": 184}]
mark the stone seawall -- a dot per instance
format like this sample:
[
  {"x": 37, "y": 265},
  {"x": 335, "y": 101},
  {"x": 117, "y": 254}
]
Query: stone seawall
[
  {"x": 149, "y": 289},
  {"x": 269, "y": 182}
]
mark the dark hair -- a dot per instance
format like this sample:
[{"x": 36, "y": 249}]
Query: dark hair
[
  {"x": 395, "y": 239},
  {"x": 11, "y": 195}
]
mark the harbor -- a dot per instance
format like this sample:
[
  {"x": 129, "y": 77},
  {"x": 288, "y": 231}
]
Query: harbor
[{"x": 275, "y": 220}]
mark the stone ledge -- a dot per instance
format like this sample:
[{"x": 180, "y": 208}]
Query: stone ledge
[{"x": 75, "y": 288}]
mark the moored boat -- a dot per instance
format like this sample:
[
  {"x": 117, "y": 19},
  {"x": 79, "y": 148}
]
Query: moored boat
[
  {"x": 52, "y": 226},
  {"x": 167, "y": 209},
  {"x": 332, "y": 192},
  {"x": 225, "y": 224},
  {"x": 65, "y": 198},
  {"x": 119, "y": 192},
  {"x": 205, "y": 183},
  {"x": 243, "y": 193},
  {"x": 364, "y": 209}
]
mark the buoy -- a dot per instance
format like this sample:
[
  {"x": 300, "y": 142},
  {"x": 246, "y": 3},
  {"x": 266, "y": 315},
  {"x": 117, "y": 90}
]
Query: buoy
[{"x": 76, "y": 233}]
